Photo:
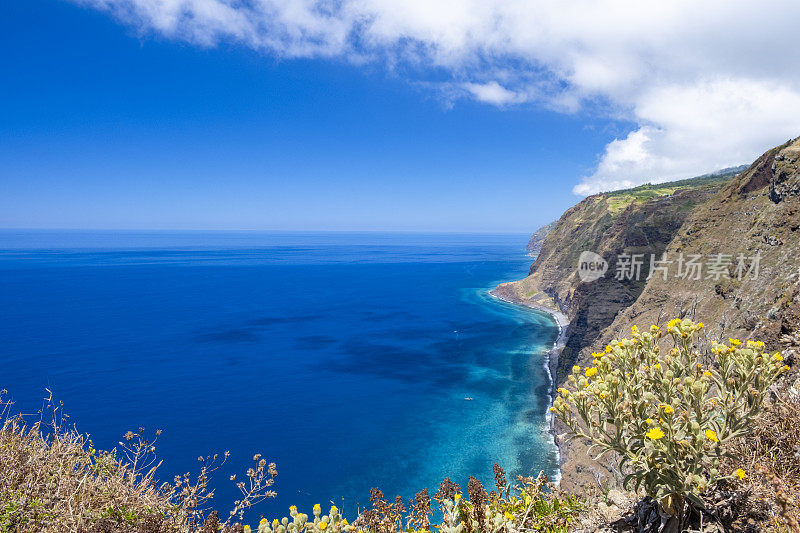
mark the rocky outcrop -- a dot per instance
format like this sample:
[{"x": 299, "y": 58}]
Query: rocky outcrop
[{"x": 783, "y": 180}]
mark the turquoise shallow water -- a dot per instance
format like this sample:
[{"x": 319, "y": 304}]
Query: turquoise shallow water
[{"x": 344, "y": 358}]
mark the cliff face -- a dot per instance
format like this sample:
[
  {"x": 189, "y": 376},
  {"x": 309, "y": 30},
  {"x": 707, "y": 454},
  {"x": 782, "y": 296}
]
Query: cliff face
[
  {"x": 754, "y": 222},
  {"x": 627, "y": 222},
  {"x": 749, "y": 225}
]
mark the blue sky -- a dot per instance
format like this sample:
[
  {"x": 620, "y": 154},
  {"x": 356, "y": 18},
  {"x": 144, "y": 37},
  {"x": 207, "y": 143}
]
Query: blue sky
[{"x": 113, "y": 120}]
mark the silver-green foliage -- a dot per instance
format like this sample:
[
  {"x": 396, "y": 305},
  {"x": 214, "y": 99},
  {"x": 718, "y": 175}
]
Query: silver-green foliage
[{"x": 669, "y": 417}]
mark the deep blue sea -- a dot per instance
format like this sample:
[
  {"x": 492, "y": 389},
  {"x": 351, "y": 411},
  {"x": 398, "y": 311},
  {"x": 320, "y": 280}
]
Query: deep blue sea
[{"x": 345, "y": 358}]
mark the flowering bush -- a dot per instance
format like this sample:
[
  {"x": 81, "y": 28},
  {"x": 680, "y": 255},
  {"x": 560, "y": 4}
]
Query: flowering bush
[
  {"x": 533, "y": 505},
  {"x": 333, "y": 522},
  {"x": 669, "y": 417}
]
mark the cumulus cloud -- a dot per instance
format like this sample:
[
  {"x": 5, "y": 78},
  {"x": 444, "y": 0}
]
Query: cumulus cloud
[{"x": 710, "y": 83}]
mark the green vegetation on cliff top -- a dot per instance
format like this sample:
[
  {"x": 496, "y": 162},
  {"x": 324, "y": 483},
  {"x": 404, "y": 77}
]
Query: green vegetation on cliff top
[{"x": 620, "y": 199}]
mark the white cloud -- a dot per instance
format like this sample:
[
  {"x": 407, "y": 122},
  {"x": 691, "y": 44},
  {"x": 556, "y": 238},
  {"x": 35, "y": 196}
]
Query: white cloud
[
  {"x": 494, "y": 93},
  {"x": 709, "y": 82},
  {"x": 695, "y": 128}
]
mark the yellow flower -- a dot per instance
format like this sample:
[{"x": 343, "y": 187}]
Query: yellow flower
[
  {"x": 344, "y": 521},
  {"x": 635, "y": 330},
  {"x": 508, "y": 515},
  {"x": 712, "y": 435},
  {"x": 576, "y": 369},
  {"x": 655, "y": 434},
  {"x": 591, "y": 372},
  {"x": 707, "y": 374},
  {"x": 668, "y": 409},
  {"x": 700, "y": 325},
  {"x": 657, "y": 366},
  {"x": 602, "y": 396},
  {"x": 649, "y": 420},
  {"x": 293, "y": 508},
  {"x": 671, "y": 324},
  {"x": 323, "y": 526},
  {"x": 609, "y": 349},
  {"x": 786, "y": 368},
  {"x": 317, "y": 509},
  {"x": 777, "y": 357},
  {"x": 741, "y": 474},
  {"x": 334, "y": 509},
  {"x": 552, "y": 409},
  {"x": 735, "y": 342}
]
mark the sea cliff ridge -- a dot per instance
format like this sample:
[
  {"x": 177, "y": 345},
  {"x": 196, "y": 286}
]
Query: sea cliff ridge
[{"x": 748, "y": 212}]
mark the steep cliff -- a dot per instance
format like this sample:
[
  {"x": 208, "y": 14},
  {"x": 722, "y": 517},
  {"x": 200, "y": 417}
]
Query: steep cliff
[
  {"x": 635, "y": 221},
  {"x": 752, "y": 224},
  {"x": 753, "y": 221},
  {"x": 743, "y": 232}
]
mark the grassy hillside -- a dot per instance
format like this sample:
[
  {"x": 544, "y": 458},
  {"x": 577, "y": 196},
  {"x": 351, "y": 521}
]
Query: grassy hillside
[{"x": 620, "y": 199}]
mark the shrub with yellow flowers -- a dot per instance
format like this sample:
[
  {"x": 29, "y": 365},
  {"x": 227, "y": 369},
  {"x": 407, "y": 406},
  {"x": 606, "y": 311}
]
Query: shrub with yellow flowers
[
  {"x": 533, "y": 504},
  {"x": 333, "y": 522},
  {"x": 669, "y": 416}
]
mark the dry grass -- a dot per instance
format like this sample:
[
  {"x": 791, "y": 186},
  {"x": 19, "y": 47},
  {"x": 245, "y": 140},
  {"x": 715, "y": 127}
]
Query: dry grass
[
  {"x": 771, "y": 457},
  {"x": 52, "y": 479}
]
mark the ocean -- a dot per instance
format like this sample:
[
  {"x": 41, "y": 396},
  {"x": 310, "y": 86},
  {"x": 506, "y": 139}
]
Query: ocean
[{"x": 351, "y": 360}]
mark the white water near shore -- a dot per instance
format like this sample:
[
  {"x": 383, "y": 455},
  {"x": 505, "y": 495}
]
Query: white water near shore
[{"x": 551, "y": 362}]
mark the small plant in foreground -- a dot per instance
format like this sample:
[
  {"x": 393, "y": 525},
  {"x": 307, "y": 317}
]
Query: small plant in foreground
[{"x": 670, "y": 417}]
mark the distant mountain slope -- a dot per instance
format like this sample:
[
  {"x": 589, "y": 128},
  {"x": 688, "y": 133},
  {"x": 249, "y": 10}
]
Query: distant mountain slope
[{"x": 538, "y": 237}]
